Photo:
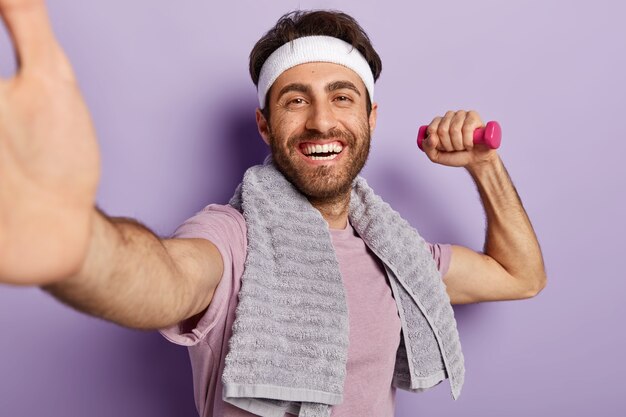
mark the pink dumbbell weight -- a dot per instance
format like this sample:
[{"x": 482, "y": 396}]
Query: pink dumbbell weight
[{"x": 490, "y": 135}]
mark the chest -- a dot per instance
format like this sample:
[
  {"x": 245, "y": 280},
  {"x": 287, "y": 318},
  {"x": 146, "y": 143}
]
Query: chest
[{"x": 373, "y": 314}]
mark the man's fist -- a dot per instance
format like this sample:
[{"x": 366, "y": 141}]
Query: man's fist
[{"x": 450, "y": 140}]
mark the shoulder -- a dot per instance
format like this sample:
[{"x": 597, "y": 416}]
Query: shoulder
[
  {"x": 221, "y": 224},
  {"x": 213, "y": 216},
  {"x": 442, "y": 254}
]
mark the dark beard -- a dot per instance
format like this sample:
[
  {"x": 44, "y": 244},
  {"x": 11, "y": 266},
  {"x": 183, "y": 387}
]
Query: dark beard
[{"x": 323, "y": 182}]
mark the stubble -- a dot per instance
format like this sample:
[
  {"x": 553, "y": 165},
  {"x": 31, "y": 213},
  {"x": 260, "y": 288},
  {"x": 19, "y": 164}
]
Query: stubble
[{"x": 324, "y": 182}]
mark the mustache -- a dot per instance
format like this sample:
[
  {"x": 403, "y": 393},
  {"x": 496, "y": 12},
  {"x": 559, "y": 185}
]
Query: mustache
[{"x": 312, "y": 135}]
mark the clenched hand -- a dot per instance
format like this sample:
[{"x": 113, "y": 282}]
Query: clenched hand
[{"x": 450, "y": 141}]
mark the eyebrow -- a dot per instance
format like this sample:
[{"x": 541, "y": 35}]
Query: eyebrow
[
  {"x": 339, "y": 85},
  {"x": 333, "y": 86},
  {"x": 302, "y": 88}
]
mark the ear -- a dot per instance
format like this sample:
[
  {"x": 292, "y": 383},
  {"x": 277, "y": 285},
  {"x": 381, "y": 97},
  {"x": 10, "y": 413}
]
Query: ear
[
  {"x": 263, "y": 126},
  {"x": 373, "y": 116}
]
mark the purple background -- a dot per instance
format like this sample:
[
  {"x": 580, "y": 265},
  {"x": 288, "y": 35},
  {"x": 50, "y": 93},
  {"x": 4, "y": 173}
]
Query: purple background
[{"x": 173, "y": 105}]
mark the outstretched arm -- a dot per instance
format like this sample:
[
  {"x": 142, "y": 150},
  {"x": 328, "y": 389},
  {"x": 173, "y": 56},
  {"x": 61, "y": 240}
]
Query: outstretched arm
[
  {"x": 51, "y": 235},
  {"x": 511, "y": 265},
  {"x": 132, "y": 277}
]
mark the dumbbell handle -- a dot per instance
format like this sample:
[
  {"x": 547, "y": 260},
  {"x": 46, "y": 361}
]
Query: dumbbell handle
[{"x": 490, "y": 135}]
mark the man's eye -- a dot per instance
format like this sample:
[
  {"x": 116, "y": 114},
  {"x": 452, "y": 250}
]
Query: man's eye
[
  {"x": 296, "y": 101},
  {"x": 343, "y": 98}
]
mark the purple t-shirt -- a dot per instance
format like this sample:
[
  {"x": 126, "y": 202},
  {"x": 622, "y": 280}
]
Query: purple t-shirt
[{"x": 372, "y": 312}]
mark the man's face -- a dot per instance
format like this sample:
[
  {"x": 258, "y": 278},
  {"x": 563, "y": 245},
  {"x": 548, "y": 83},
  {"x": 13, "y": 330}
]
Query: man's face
[{"x": 319, "y": 131}]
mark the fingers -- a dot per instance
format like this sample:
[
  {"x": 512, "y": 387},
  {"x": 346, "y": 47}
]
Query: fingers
[
  {"x": 453, "y": 132},
  {"x": 430, "y": 143},
  {"x": 459, "y": 143},
  {"x": 29, "y": 27},
  {"x": 471, "y": 123}
]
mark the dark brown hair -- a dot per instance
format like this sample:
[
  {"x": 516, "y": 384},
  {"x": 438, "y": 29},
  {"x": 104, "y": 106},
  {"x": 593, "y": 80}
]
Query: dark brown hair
[{"x": 301, "y": 23}]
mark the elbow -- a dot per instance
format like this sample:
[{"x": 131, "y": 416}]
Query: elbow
[{"x": 538, "y": 286}]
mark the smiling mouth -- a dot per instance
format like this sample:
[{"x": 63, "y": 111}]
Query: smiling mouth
[{"x": 319, "y": 152}]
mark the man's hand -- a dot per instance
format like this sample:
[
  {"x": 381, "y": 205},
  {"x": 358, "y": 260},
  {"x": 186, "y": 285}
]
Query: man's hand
[
  {"x": 450, "y": 141},
  {"x": 49, "y": 163},
  {"x": 50, "y": 232}
]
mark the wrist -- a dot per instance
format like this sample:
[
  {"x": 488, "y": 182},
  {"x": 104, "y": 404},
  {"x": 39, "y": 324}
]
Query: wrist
[{"x": 485, "y": 167}]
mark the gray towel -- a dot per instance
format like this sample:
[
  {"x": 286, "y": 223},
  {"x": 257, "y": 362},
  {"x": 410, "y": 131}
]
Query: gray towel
[{"x": 289, "y": 345}]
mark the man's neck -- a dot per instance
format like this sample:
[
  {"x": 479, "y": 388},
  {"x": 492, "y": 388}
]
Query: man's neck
[{"x": 334, "y": 211}]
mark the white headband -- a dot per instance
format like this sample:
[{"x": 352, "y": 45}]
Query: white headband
[{"x": 313, "y": 49}]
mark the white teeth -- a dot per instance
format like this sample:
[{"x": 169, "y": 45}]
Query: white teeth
[
  {"x": 310, "y": 149},
  {"x": 323, "y": 158}
]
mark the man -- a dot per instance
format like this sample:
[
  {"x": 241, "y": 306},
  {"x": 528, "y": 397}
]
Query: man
[{"x": 317, "y": 114}]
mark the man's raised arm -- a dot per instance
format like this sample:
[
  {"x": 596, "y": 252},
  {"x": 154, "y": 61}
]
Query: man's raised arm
[
  {"x": 511, "y": 266},
  {"x": 50, "y": 232}
]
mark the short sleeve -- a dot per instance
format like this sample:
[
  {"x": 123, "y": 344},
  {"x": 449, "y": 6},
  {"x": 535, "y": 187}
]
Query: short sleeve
[
  {"x": 225, "y": 228},
  {"x": 442, "y": 254}
]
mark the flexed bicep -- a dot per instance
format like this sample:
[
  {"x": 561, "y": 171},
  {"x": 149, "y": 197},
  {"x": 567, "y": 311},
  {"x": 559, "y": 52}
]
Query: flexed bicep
[{"x": 474, "y": 277}]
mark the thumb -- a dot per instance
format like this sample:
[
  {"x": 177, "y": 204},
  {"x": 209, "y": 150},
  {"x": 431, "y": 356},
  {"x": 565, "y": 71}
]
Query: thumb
[
  {"x": 429, "y": 146},
  {"x": 30, "y": 30}
]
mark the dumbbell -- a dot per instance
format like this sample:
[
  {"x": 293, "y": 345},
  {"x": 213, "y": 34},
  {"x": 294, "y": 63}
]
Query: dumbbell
[{"x": 490, "y": 135}]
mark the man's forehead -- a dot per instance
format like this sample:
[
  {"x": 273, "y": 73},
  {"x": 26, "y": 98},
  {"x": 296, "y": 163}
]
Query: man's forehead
[{"x": 318, "y": 75}]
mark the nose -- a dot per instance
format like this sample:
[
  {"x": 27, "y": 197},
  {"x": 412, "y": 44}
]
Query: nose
[{"x": 321, "y": 117}]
